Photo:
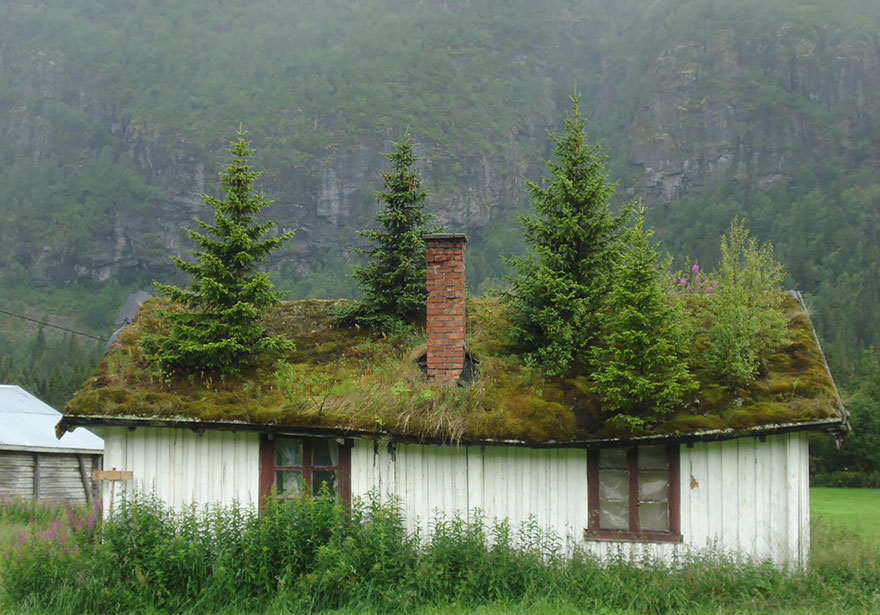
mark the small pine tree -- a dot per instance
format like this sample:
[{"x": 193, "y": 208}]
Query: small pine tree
[
  {"x": 640, "y": 365},
  {"x": 557, "y": 290},
  {"x": 748, "y": 318},
  {"x": 393, "y": 280},
  {"x": 218, "y": 326}
]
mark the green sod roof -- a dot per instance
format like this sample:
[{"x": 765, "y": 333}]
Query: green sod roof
[{"x": 350, "y": 381}]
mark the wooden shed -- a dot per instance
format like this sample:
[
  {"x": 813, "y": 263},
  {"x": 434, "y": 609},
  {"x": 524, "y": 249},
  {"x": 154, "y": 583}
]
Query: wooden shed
[
  {"x": 33, "y": 462},
  {"x": 417, "y": 420}
]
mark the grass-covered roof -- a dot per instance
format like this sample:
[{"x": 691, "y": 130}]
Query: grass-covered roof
[{"x": 354, "y": 380}]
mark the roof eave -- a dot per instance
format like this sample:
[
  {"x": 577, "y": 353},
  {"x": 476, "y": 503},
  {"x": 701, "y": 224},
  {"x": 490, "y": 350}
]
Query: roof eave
[{"x": 835, "y": 427}]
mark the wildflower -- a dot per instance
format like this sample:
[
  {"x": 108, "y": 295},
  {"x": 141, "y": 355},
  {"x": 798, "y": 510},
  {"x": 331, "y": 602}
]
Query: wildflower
[
  {"x": 695, "y": 269},
  {"x": 683, "y": 282},
  {"x": 117, "y": 345}
]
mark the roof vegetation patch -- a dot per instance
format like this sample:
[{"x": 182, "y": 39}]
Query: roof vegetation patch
[{"x": 352, "y": 379}]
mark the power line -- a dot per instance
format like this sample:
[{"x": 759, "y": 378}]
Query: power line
[{"x": 49, "y": 324}]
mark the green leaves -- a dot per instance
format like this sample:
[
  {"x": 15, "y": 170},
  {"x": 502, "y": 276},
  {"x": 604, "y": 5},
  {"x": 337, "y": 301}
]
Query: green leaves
[
  {"x": 393, "y": 280},
  {"x": 218, "y": 328},
  {"x": 748, "y": 322},
  {"x": 640, "y": 364},
  {"x": 557, "y": 289}
]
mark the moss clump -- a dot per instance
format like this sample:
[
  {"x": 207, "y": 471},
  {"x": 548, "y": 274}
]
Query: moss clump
[{"x": 350, "y": 379}]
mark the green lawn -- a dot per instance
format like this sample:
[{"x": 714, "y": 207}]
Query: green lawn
[{"x": 853, "y": 510}]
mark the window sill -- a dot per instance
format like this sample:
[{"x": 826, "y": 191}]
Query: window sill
[{"x": 620, "y": 536}]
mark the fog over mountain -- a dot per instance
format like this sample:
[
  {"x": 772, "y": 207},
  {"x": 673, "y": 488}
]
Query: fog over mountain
[{"x": 114, "y": 118}]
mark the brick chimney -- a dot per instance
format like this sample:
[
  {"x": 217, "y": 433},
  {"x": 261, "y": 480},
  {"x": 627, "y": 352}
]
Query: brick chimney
[{"x": 445, "y": 314}]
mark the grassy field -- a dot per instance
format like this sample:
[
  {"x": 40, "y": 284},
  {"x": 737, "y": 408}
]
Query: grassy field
[
  {"x": 842, "y": 578},
  {"x": 852, "y": 510}
]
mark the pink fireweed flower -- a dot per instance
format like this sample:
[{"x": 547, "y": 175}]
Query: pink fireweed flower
[
  {"x": 683, "y": 282},
  {"x": 695, "y": 268}
]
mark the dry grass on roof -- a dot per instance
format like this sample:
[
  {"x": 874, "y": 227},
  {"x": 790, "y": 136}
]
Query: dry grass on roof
[{"x": 358, "y": 380}]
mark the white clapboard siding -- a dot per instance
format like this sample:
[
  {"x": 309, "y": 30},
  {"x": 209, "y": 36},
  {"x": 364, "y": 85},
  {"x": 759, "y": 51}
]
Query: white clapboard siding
[
  {"x": 499, "y": 482},
  {"x": 746, "y": 497},
  {"x": 183, "y": 467}
]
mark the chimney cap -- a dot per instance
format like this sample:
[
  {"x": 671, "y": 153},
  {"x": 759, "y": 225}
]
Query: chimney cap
[{"x": 461, "y": 236}]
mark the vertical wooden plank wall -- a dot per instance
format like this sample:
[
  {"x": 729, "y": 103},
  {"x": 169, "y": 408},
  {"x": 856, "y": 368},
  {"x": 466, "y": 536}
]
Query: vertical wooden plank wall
[
  {"x": 183, "y": 467},
  {"x": 745, "y": 497},
  {"x": 749, "y": 498},
  {"x": 499, "y": 482}
]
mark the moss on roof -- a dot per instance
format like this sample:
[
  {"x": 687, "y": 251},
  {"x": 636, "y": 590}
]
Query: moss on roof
[{"x": 350, "y": 379}]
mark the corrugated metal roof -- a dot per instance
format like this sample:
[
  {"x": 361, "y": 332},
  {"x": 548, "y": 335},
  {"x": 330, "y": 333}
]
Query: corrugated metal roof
[{"x": 25, "y": 421}]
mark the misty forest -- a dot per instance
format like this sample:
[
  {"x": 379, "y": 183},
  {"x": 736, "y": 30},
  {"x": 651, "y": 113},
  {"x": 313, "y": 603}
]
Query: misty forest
[{"x": 114, "y": 119}]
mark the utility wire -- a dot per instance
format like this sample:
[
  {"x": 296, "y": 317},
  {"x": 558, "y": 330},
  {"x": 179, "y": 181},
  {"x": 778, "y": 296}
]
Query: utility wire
[{"x": 49, "y": 324}]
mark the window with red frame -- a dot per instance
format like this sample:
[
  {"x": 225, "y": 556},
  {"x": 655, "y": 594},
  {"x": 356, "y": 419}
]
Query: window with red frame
[
  {"x": 292, "y": 464},
  {"x": 633, "y": 493}
]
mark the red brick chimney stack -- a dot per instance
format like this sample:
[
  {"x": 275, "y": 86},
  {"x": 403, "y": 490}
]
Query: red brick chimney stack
[{"x": 445, "y": 315}]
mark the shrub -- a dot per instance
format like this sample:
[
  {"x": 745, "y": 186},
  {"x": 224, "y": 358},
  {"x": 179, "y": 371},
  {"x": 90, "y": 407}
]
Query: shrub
[
  {"x": 308, "y": 554},
  {"x": 748, "y": 322}
]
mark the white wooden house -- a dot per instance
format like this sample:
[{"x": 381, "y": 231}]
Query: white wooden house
[
  {"x": 734, "y": 478},
  {"x": 35, "y": 464}
]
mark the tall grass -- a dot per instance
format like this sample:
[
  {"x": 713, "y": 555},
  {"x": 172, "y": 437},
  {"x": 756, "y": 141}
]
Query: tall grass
[{"x": 310, "y": 554}]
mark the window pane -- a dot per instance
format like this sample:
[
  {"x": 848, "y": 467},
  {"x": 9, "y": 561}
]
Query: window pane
[
  {"x": 288, "y": 452},
  {"x": 613, "y": 485},
  {"x": 614, "y": 515},
  {"x": 325, "y": 452},
  {"x": 653, "y": 485},
  {"x": 653, "y": 457},
  {"x": 613, "y": 458},
  {"x": 654, "y": 516},
  {"x": 288, "y": 482},
  {"x": 320, "y": 477}
]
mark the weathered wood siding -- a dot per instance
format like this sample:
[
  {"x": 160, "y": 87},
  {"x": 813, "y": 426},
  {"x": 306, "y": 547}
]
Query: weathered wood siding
[
  {"x": 182, "y": 467},
  {"x": 49, "y": 476},
  {"x": 16, "y": 474},
  {"x": 501, "y": 482},
  {"x": 745, "y": 497}
]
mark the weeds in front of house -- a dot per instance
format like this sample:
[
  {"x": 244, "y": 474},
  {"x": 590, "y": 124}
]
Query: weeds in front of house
[{"x": 310, "y": 554}]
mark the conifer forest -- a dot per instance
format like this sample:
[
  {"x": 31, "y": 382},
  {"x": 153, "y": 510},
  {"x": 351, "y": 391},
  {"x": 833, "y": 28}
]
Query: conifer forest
[{"x": 115, "y": 119}]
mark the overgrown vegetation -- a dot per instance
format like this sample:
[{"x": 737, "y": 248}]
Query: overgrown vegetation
[
  {"x": 393, "y": 280},
  {"x": 308, "y": 554},
  {"x": 856, "y": 463},
  {"x": 558, "y": 289},
  {"x": 640, "y": 361},
  {"x": 748, "y": 323},
  {"x": 360, "y": 381},
  {"x": 216, "y": 326}
]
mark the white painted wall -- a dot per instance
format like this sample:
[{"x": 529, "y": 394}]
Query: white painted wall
[
  {"x": 744, "y": 497},
  {"x": 182, "y": 467}
]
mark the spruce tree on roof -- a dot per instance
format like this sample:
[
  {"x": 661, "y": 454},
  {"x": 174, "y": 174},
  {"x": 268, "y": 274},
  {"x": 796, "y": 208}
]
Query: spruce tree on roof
[
  {"x": 218, "y": 325},
  {"x": 639, "y": 366},
  {"x": 393, "y": 280},
  {"x": 557, "y": 289}
]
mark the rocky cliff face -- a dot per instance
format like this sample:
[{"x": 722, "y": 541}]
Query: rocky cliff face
[
  {"x": 762, "y": 108},
  {"x": 719, "y": 109}
]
